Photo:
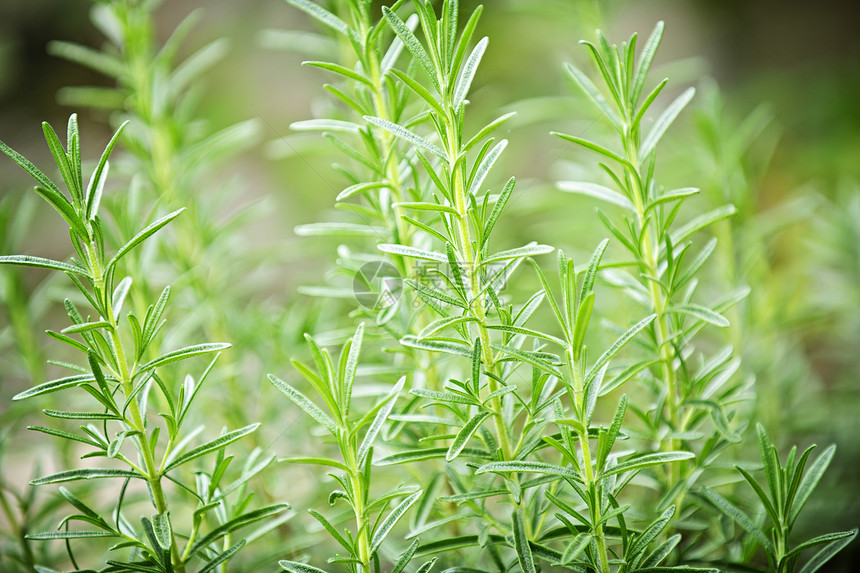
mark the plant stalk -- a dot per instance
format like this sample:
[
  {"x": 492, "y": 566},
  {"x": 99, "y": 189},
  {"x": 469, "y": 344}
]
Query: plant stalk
[{"x": 153, "y": 471}]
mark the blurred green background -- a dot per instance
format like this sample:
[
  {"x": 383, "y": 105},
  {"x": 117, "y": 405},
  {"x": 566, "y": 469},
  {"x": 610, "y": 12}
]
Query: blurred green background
[{"x": 780, "y": 139}]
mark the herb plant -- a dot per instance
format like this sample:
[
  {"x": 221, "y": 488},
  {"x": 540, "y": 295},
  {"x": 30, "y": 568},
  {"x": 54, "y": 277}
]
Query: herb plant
[
  {"x": 496, "y": 404},
  {"x": 121, "y": 381}
]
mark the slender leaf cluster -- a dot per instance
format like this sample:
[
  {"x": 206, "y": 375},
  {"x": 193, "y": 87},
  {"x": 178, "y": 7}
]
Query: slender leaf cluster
[
  {"x": 509, "y": 427},
  {"x": 120, "y": 380},
  {"x": 355, "y": 434},
  {"x": 695, "y": 397},
  {"x": 174, "y": 156},
  {"x": 789, "y": 487}
]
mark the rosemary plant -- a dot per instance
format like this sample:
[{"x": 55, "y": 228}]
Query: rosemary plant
[
  {"x": 476, "y": 419},
  {"x": 335, "y": 386},
  {"x": 691, "y": 400},
  {"x": 471, "y": 322},
  {"x": 789, "y": 487},
  {"x": 121, "y": 381},
  {"x": 174, "y": 154}
]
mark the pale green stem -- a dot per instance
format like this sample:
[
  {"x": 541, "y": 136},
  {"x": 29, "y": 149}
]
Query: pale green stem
[
  {"x": 659, "y": 303},
  {"x": 465, "y": 246},
  {"x": 591, "y": 485},
  {"x": 153, "y": 472}
]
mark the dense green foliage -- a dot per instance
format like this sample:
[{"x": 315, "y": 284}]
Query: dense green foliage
[{"x": 496, "y": 404}]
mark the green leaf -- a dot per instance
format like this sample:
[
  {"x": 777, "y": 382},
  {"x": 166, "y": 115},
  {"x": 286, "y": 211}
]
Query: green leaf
[
  {"x": 521, "y": 542},
  {"x": 486, "y": 130},
  {"x": 54, "y": 386},
  {"x": 331, "y": 529},
  {"x": 574, "y": 548},
  {"x": 700, "y": 313},
  {"x": 533, "y": 359},
  {"x": 448, "y": 346},
  {"x": 69, "y": 535},
  {"x": 378, "y": 421},
  {"x": 161, "y": 528},
  {"x": 62, "y": 160},
  {"x": 427, "y": 454},
  {"x": 596, "y": 191},
  {"x": 85, "y": 474},
  {"x": 697, "y": 264},
  {"x": 65, "y": 415},
  {"x": 341, "y": 70},
  {"x": 593, "y": 94},
  {"x": 528, "y": 467},
  {"x": 504, "y": 196},
  {"x": 412, "y": 44},
  {"x": 465, "y": 434},
  {"x": 405, "y": 558},
  {"x": 142, "y": 236},
  {"x": 222, "y": 557},
  {"x": 526, "y": 332},
  {"x": 347, "y": 369},
  {"x": 443, "y": 323},
  {"x": 673, "y": 195},
  {"x": 486, "y": 164},
  {"x": 664, "y": 121},
  {"x": 236, "y": 523},
  {"x": 99, "y": 61},
  {"x": 647, "y": 460},
  {"x": 295, "y": 566},
  {"x": 321, "y": 14},
  {"x": 771, "y": 466},
  {"x": 617, "y": 346},
  {"x": 334, "y": 125},
  {"x": 468, "y": 73},
  {"x": 810, "y": 480},
  {"x": 605, "y": 446},
  {"x": 597, "y": 148},
  {"x": 645, "y": 60},
  {"x": 65, "y": 435},
  {"x": 315, "y": 461},
  {"x": 183, "y": 354},
  {"x": 304, "y": 403},
  {"x": 412, "y": 252},
  {"x": 641, "y": 542},
  {"x": 420, "y": 91},
  {"x": 34, "y": 172},
  {"x": 391, "y": 520},
  {"x": 211, "y": 446},
  {"x": 698, "y": 223},
  {"x": 85, "y": 327},
  {"x": 518, "y": 253},
  {"x": 472, "y": 495},
  {"x": 338, "y": 229},
  {"x": 433, "y": 293},
  {"x": 424, "y": 206},
  {"x": 583, "y": 316},
  {"x": 741, "y": 518},
  {"x": 838, "y": 539},
  {"x": 407, "y": 135},
  {"x": 28, "y": 261}
]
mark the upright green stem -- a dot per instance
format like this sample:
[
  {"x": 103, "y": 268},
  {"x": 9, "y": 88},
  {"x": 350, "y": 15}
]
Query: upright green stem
[
  {"x": 469, "y": 255},
  {"x": 591, "y": 484},
  {"x": 125, "y": 375},
  {"x": 659, "y": 302},
  {"x": 359, "y": 495}
]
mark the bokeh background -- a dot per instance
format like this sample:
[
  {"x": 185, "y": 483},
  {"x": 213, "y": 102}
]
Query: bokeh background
[{"x": 774, "y": 128}]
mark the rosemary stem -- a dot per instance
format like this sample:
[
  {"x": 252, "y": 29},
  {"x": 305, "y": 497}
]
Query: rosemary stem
[{"x": 153, "y": 471}]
